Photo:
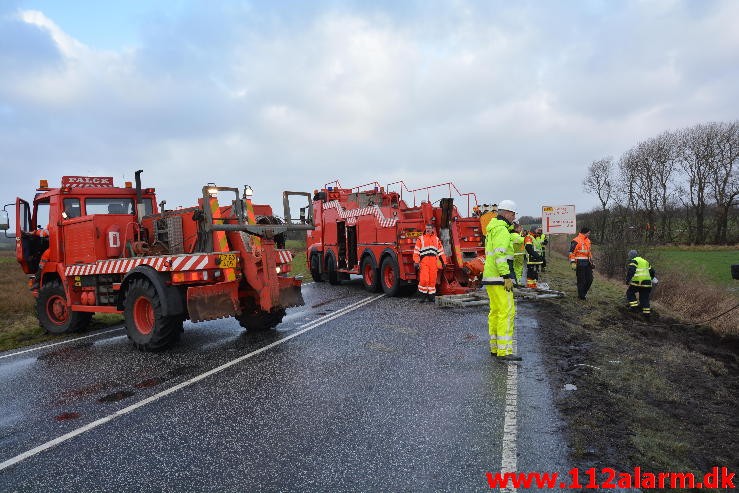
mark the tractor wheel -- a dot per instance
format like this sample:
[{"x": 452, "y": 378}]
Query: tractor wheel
[
  {"x": 315, "y": 268},
  {"x": 370, "y": 275},
  {"x": 333, "y": 276},
  {"x": 390, "y": 276},
  {"x": 146, "y": 326},
  {"x": 261, "y": 321},
  {"x": 54, "y": 314}
]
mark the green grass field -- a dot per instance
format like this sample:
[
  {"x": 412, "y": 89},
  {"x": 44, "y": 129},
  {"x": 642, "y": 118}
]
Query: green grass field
[
  {"x": 298, "y": 267},
  {"x": 712, "y": 263}
]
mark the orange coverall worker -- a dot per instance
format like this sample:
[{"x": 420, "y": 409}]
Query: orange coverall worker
[
  {"x": 41, "y": 264},
  {"x": 429, "y": 255}
]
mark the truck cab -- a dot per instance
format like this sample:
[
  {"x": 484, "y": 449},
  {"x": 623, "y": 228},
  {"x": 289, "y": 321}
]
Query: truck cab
[{"x": 80, "y": 222}]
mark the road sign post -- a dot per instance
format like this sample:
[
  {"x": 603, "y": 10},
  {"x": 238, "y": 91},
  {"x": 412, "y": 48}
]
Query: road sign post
[{"x": 558, "y": 219}]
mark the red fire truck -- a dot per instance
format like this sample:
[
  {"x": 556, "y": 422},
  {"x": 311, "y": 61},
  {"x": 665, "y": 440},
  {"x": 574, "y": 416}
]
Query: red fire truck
[
  {"x": 91, "y": 247},
  {"x": 371, "y": 231}
]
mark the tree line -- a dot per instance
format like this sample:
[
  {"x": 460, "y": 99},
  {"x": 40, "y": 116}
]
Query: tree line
[{"x": 678, "y": 187}]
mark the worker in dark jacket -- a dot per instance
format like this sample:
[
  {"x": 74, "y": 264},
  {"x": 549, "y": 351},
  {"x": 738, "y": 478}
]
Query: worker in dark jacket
[
  {"x": 542, "y": 241},
  {"x": 640, "y": 278}
]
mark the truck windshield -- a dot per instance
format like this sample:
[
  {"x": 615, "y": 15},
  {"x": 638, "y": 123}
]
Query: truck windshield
[
  {"x": 114, "y": 206},
  {"x": 108, "y": 206}
]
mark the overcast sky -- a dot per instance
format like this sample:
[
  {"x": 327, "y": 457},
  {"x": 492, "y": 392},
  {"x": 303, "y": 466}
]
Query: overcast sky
[{"x": 508, "y": 99}]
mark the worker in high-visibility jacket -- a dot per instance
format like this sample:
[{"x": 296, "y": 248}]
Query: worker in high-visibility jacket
[
  {"x": 581, "y": 260},
  {"x": 428, "y": 258},
  {"x": 640, "y": 277},
  {"x": 499, "y": 279},
  {"x": 533, "y": 259},
  {"x": 541, "y": 241},
  {"x": 518, "y": 251}
]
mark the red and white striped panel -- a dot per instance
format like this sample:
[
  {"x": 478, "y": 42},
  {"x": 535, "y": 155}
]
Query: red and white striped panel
[
  {"x": 352, "y": 214},
  {"x": 284, "y": 256},
  {"x": 166, "y": 263}
]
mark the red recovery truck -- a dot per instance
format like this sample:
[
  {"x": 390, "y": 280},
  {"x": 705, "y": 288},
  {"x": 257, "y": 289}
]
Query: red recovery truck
[
  {"x": 90, "y": 247},
  {"x": 370, "y": 231}
]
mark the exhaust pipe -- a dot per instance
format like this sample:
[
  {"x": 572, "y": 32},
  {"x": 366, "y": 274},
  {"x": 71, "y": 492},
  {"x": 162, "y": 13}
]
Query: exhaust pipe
[{"x": 140, "y": 209}]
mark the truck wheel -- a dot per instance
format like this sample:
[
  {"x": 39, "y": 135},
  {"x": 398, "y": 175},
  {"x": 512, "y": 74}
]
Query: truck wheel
[
  {"x": 261, "y": 320},
  {"x": 333, "y": 276},
  {"x": 370, "y": 275},
  {"x": 390, "y": 276},
  {"x": 315, "y": 270},
  {"x": 146, "y": 326},
  {"x": 54, "y": 314}
]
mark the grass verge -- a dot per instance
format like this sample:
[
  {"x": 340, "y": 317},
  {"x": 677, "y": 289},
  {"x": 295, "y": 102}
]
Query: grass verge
[
  {"x": 299, "y": 266},
  {"x": 18, "y": 324},
  {"x": 659, "y": 395}
]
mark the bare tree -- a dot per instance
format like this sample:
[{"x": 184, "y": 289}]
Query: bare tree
[
  {"x": 637, "y": 170},
  {"x": 724, "y": 184},
  {"x": 696, "y": 155},
  {"x": 599, "y": 181},
  {"x": 662, "y": 154},
  {"x": 687, "y": 178}
]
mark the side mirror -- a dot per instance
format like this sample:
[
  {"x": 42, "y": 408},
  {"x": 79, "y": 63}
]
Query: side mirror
[
  {"x": 4, "y": 221},
  {"x": 302, "y": 215}
]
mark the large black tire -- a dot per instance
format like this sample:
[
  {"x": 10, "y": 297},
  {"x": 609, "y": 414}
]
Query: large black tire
[
  {"x": 370, "y": 274},
  {"x": 390, "y": 276},
  {"x": 261, "y": 321},
  {"x": 333, "y": 276},
  {"x": 53, "y": 313},
  {"x": 147, "y": 327},
  {"x": 315, "y": 267}
]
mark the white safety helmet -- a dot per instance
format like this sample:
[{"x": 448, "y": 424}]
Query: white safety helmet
[{"x": 507, "y": 205}]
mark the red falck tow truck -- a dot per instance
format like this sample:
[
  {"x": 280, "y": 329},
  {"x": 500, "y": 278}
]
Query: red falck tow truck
[
  {"x": 371, "y": 231},
  {"x": 91, "y": 247}
]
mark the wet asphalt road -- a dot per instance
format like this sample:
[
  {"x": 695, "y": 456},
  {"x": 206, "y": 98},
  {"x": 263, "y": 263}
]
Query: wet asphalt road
[{"x": 394, "y": 396}]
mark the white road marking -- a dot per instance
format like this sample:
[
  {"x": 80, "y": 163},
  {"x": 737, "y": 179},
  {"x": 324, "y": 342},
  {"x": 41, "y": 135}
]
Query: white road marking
[
  {"x": 510, "y": 431},
  {"x": 68, "y": 436},
  {"x": 60, "y": 342}
]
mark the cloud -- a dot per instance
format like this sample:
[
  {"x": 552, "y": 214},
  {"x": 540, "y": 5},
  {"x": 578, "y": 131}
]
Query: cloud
[{"x": 506, "y": 99}]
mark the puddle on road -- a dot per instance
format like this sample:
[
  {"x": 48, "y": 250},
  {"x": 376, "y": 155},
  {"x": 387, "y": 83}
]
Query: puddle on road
[
  {"x": 149, "y": 382},
  {"x": 64, "y": 353},
  {"x": 75, "y": 395},
  {"x": 116, "y": 396},
  {"x": 181, "y": 371},
  {"x": 327, "y": 301},
  {"x": 67, "y": 416}
]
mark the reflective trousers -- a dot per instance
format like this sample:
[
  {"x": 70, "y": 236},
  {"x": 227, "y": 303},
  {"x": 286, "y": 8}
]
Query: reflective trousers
[
  {"x": 518, "y": 266},
  {"x": 427, "y": 275},
  {"x": 644, "y": 293},
  {"x": 500, "y": 320}
]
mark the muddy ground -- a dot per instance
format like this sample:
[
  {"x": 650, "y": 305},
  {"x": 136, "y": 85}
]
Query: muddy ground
[{"x": 662, "y": 395}]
